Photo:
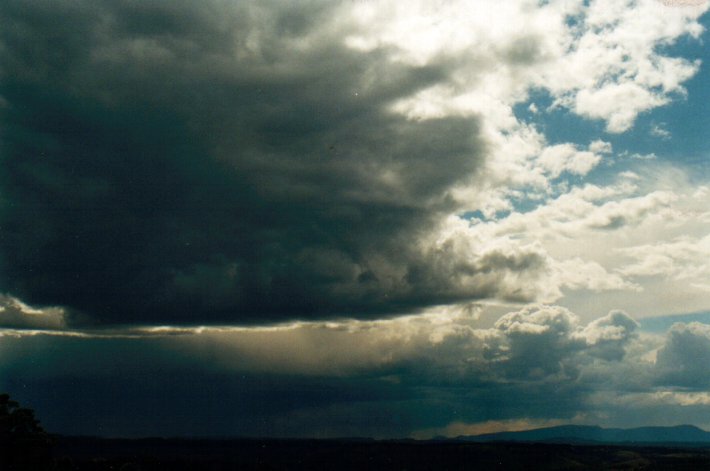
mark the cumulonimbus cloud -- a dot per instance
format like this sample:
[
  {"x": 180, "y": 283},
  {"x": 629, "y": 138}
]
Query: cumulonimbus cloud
[{"x": 211, "y": 162}]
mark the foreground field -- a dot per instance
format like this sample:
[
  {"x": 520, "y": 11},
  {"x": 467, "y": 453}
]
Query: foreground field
[{"x": 217, "y": 455}]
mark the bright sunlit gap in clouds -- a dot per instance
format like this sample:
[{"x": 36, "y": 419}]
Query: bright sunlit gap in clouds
[{"x": 354, "y": 218}]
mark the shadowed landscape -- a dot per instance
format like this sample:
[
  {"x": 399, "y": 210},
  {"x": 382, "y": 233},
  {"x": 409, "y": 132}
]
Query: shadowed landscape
[
  {"x": 253, "y": 454},
  {"x": 24, "y": 445}
]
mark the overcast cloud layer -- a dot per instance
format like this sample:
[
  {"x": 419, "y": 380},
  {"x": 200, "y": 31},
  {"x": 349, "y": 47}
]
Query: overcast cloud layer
[{"x": 352, "y": 218}]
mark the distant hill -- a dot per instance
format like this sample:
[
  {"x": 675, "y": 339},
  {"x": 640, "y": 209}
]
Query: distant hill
[{"x": 594, "y": 434}]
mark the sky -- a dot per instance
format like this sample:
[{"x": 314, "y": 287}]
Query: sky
[{"x": 354, "y": 217}]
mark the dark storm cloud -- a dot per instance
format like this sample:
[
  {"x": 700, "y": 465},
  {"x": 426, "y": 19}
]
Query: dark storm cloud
[{"x": 211, "y": 161}]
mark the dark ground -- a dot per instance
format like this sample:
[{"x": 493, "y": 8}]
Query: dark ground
[{"x": 216, "y": 455}]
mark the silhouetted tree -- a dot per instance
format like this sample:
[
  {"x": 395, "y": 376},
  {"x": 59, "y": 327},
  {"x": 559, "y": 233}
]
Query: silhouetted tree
[{"x": 24, "y": 445}]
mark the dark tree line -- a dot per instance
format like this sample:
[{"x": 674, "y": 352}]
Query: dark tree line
[{"x": 24, "y": 445}]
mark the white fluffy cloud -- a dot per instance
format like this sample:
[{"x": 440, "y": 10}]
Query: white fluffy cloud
[
  {"x": 683, "y": 360},
  {"x": 600, "y": 60},
  {"x": 641, "y": 237},
  {"x": 681, "y": 258}
]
